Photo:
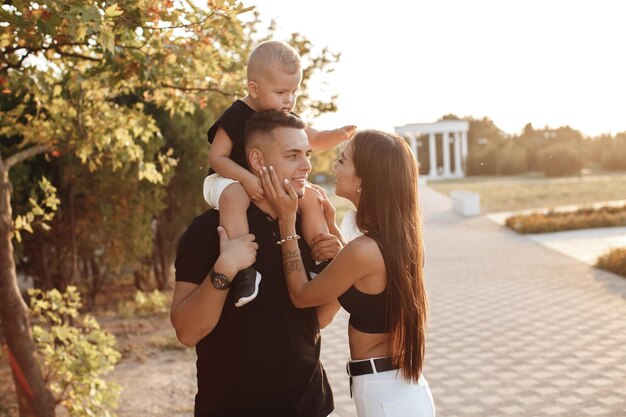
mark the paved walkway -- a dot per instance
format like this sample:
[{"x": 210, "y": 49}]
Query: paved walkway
[{"x": 515, "y": 329}]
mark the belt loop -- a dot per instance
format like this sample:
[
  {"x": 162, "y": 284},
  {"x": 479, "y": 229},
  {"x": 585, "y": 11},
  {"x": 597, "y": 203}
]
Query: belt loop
[
  {"x": 373, "y": 365},
  {"x": 350, "y": 386}
]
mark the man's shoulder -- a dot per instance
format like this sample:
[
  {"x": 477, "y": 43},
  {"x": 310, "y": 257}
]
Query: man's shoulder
[{"x": 202, "y": 224}]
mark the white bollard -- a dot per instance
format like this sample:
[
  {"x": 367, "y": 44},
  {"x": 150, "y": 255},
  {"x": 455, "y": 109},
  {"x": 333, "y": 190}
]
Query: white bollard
[{"x": 466, "y": 203}]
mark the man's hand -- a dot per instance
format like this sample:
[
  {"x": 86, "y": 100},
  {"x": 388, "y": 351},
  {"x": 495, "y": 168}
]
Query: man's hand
[
  {"x": 325, "y": 246},
  {"x": 254, "y": 188},
  {"x": 237, "y": 254}
]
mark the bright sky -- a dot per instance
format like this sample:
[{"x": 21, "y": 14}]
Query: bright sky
[{"x": 548, "y": 62}]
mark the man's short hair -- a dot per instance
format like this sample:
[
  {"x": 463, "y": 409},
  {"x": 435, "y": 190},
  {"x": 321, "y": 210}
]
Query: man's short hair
[
  {"x": 260, "y": 126},
  {"x": 272, "y": 55}
]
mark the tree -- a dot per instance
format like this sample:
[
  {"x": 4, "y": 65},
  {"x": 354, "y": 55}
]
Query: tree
[{"x": 68, "y": 65}]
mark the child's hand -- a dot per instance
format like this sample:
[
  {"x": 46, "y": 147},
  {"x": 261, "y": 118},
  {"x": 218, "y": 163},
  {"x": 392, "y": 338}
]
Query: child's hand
[
  {"x": 346, "y": 132},
  {"x": 254, "y": 188}
]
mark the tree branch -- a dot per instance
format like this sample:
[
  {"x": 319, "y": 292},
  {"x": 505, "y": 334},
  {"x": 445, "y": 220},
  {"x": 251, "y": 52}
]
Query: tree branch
[
  {"x": 25, "y": 154},
  {"x": 191, "y": 24},
  {"x": 211, "y": 89},
  {"x": 74, "y": 55},
  {"x": 11, "y": 49}
]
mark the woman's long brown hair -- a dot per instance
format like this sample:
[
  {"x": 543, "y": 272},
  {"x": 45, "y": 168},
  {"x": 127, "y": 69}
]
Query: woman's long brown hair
[{"x": 389, "y": 206}]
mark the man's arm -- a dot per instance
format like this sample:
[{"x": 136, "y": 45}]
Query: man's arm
[
  {"x": 197, "y": 306},
  {"x": 196, "y": 309}
]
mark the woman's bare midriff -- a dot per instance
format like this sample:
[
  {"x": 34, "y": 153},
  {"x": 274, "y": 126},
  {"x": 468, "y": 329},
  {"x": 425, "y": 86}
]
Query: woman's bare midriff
[{"x": 368, "y": 345}]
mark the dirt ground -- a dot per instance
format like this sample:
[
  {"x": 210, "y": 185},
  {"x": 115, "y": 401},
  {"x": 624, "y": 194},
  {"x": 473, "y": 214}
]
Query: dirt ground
[{"x": 156, "y": 373}]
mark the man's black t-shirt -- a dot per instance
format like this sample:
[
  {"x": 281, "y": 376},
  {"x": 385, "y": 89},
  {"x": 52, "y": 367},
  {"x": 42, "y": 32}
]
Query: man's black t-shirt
[
  {"x": 233, "y": 121},
  {"x": 262, "y": 358}
]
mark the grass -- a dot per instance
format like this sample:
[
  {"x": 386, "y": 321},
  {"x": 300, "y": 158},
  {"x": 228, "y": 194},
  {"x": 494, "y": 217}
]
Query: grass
[
  {"x": 614, "y": 261},
  {"x": 518, "y": 193}
]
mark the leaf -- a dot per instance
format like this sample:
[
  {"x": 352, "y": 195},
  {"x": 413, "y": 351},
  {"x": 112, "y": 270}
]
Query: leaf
[
  {"x": 107, "y": 39},
  {"x": 90, "y": 14},
  {"x": 113, "y": 11}
]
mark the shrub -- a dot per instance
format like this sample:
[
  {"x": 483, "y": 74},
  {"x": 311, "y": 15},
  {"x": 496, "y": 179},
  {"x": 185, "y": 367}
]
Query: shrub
[
  {"x": 482, "y": 160},
  {"x": 614, "y": 261},
  {"x": 584, "y": 218},
  {"x": 145, "y": 304},
  {"x": 75, "y": 352},
  {"x": 614, "y": 155},
  {"x": 560, "y": 160},
  {"x": 511, "y": 159}
]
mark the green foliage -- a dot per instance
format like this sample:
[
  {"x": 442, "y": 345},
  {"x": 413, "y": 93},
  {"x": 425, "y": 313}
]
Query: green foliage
[
  {"x": 614, "y": 261},
  {"x": 553, "y": 221},
  {"x": 314, "y": 65},
  {"x": 103, "y": 225},
  {"x": 75, "y": 352},
  {"x": 145, "y": 304},
  {"x": 68, "y": 64},
  {"x": 40, "y": 213}
]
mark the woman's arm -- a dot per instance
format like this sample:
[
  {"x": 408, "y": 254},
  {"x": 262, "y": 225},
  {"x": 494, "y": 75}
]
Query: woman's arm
[{"x": 350, "y": 265}]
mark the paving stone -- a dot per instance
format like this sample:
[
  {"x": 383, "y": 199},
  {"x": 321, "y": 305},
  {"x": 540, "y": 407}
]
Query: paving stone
[{"x": 515, "y": 329}]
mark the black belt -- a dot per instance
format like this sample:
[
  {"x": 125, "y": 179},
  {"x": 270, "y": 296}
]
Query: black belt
[{"x": 370, "y": 366}]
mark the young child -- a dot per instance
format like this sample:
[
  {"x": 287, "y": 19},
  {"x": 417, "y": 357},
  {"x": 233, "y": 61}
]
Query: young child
[{"x": 274, "y": 76}]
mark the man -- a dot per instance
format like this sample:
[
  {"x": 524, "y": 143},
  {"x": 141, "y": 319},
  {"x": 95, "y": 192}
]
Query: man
[{"x": 263, "y": 358}]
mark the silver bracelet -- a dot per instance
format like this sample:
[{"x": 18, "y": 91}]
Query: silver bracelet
[{"x": 287, "y": 239}]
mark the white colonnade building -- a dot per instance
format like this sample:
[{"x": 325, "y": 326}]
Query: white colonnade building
[{"x": 451, "y": 132}]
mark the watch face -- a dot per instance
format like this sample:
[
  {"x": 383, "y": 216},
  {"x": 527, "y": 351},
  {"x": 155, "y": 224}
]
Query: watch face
[{"x": 219, "y": 281}]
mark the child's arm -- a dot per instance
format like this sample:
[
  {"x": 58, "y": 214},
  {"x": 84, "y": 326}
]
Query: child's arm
[
  {"x": 327, "y": 139},
  {"x": 219, "y": 159}
]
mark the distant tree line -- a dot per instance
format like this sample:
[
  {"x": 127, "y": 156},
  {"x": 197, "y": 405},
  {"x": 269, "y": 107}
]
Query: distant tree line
[{"x": 552, "y": 151}]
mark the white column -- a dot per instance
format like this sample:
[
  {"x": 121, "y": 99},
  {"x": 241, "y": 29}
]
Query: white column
[
  {"x": 458, "y": 168},
  {"x": 432, "y": 155},
  {"x": 413, "y": 143},
  {"x": 464, "y": 145},
  {"x": 446, "y": 154}
]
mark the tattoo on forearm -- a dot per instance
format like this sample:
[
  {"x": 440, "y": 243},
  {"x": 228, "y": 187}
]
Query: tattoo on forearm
[{"x": 292, "y": 261}]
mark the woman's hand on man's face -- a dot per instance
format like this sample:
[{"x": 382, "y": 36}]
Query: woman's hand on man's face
[{"x": 280, "y": 194}]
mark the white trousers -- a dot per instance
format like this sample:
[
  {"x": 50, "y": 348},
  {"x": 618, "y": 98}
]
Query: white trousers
[{"x": 387, "y": 394}]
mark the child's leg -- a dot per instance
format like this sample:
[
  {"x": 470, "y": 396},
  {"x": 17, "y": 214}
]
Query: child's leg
[
  {"x": 313, "y": 219},
  {"x": 233, "y": 205}
]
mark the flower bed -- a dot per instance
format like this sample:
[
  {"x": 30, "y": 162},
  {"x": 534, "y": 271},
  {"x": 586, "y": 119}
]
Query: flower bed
[{"x": 584, "y": 218}]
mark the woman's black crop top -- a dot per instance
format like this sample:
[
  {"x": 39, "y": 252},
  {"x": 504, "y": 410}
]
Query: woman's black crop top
[{"x": 367, "y": 311}]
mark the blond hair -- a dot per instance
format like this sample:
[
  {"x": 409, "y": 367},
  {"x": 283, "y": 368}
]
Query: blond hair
[{"x": 272, "y": 55}]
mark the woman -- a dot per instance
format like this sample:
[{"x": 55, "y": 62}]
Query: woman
[{"x": 377, "y": 277}]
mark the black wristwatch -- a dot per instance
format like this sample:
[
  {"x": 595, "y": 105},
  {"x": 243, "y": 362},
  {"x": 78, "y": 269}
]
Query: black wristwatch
[{"x": 218, "y": 280}]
